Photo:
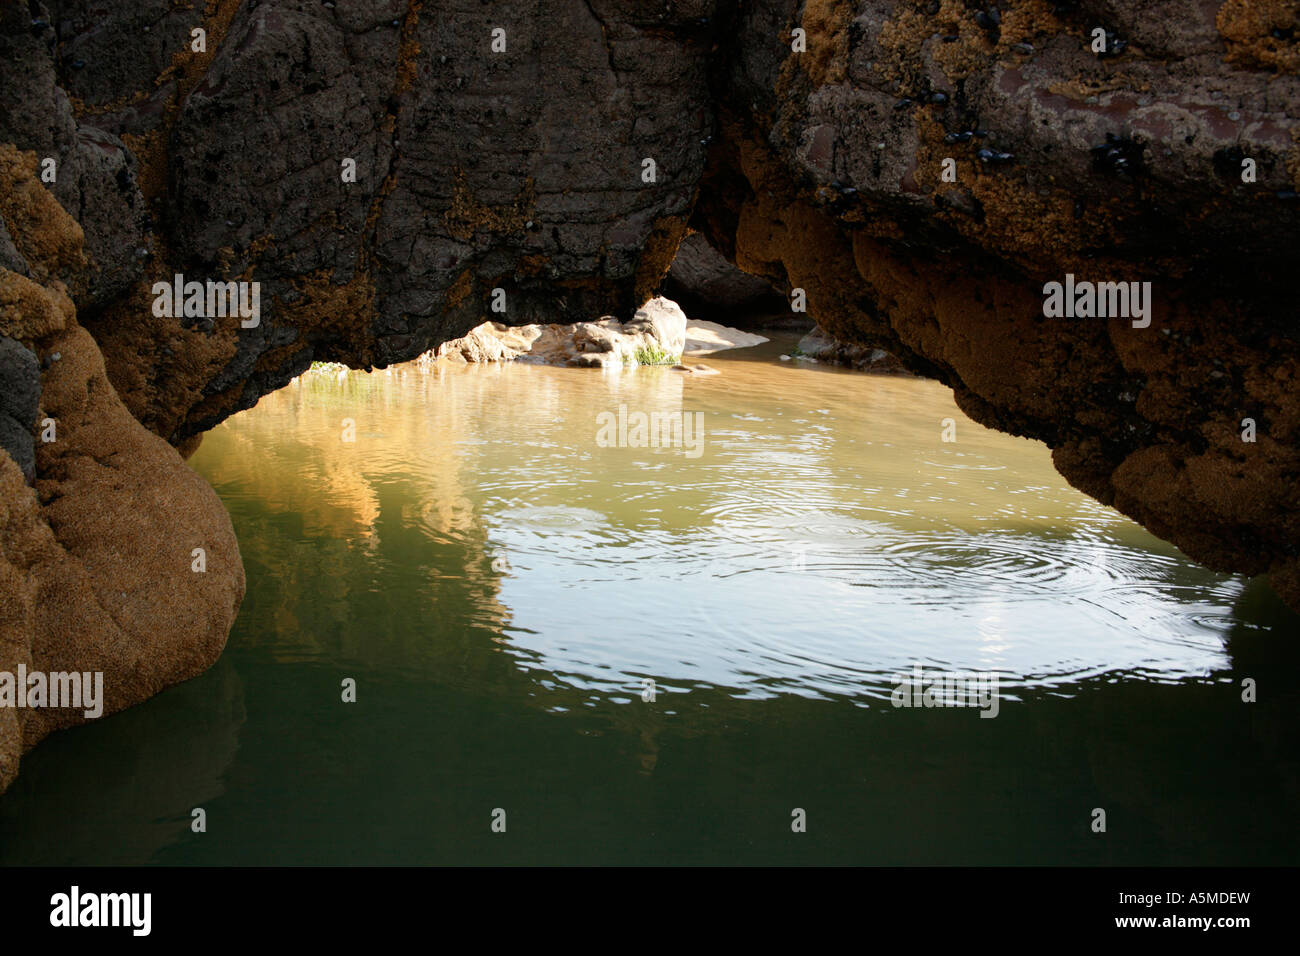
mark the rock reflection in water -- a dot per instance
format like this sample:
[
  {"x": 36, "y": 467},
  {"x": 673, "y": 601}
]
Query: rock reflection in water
[{"x": 502, "y": 586}]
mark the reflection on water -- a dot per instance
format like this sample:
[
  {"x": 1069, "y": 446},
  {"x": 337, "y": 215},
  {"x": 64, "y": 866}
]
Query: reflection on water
[{"x": 502, "y": 586}]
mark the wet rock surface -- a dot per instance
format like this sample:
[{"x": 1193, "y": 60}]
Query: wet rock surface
[
  {"x": 820, "y": 347},
  {"x": 89, "y": 170},
  {"x": 21, "y": 374}
]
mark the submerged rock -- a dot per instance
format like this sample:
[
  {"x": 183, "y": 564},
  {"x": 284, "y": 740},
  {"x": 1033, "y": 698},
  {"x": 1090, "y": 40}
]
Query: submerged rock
[{"x": 821, "y": 347}]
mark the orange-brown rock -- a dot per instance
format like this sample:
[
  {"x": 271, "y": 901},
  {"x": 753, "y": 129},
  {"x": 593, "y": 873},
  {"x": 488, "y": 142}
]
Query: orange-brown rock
[{"x": 97, "y": 560}]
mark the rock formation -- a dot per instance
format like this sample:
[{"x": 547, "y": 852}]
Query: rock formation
[
  {"x": 820, "y": 347},
  {"x": 706, "y": 284},
  {"x": 655, "y": 335},
  {"x": 100, "y": 566},
  {"x": 704, "y": 337},
  {"x": 657, "y": 332},
  {"x": 920, "y": 169}
]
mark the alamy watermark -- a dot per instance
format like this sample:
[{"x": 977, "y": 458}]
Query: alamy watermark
[
  {"x": 947, "y": 689},
  {"x": 57, "y": 689},
  {"x": 626, "y": 429},
  {"x": 1098, "y": 300},
  {"x": 75, "y": 909},
  {"x": 208, "y": 300}
]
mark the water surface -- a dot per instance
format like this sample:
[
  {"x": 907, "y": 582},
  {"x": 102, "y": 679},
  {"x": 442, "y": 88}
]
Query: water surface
[{"x": 502, "y": 587}]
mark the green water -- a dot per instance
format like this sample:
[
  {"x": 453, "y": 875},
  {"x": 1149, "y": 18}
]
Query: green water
[{"x": 501, "y": 586}]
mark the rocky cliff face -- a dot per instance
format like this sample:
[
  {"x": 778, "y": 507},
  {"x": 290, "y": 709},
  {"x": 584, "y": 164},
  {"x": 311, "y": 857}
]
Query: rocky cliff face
[
  {"x": 388, "y": 171},
  {"x": 380, "y": 168}
]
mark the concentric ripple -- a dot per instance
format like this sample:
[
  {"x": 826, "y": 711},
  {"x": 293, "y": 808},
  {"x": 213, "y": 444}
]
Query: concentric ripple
[{"x": 820, "y": 539}]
